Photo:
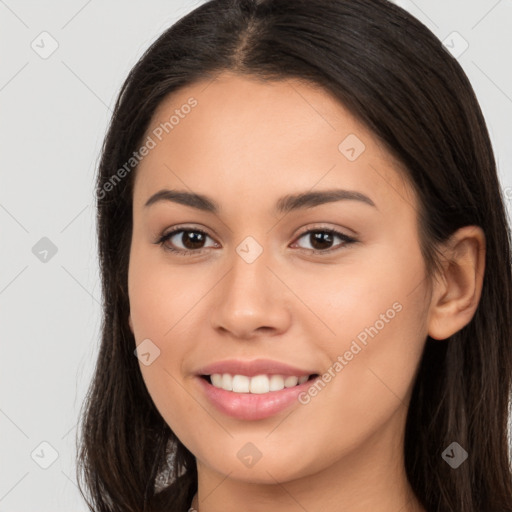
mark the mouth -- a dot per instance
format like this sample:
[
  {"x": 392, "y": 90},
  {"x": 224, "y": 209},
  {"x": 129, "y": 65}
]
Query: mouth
[
  {"x": 257, "y": 384},
  {"x": 257, "y": 397},
  {"x": 253, "y": 389}
]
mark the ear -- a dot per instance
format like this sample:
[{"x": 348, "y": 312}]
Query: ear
[{"x": 456, "y": 293}]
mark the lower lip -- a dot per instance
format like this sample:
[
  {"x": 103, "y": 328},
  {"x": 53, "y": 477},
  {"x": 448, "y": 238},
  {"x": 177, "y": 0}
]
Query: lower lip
[{"x": 253, "y": 406}]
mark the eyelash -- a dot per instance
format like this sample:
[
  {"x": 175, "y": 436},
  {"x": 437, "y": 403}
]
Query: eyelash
[{"x": 185, "y": 252}]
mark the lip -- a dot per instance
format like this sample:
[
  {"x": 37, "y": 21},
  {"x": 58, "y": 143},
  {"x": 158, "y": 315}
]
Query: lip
[
  {"x": 252, "y": 406},
  {"x": 253, "y": 367}
]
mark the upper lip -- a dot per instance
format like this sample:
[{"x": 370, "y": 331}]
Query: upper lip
[{"x": 252, "y": 368}]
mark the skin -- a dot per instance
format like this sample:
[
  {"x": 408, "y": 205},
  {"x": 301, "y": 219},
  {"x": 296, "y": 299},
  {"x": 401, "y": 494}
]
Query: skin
[{"x": 246, "y": 144}]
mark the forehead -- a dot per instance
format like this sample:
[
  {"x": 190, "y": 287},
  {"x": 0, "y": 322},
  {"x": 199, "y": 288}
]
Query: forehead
[{"x": 248, "y": 138}]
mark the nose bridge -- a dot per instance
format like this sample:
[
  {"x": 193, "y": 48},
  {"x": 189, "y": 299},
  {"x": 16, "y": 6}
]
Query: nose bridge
[
  {"x": 249, "y": 295},
  {"x": 249, "y": 278}
]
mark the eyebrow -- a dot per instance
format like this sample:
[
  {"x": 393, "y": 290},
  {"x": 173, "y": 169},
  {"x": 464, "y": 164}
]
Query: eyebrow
[{"x": 284, "y": 204}]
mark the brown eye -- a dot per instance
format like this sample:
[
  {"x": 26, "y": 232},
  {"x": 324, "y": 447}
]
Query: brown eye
[
  {"x": 321, "y": 240},
  {"x": 191, "y": 240}
]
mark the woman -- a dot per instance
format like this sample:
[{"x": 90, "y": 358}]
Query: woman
[{"x": 306, "y": 272}]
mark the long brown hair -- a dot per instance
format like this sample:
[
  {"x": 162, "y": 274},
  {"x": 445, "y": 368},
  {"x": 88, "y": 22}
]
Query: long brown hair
[{"x": 396, "y": 77}]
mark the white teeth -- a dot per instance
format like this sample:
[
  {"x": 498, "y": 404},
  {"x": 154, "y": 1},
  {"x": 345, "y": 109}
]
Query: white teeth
[
  {"x": 217, "y": 380},
  {"x": 276, "y": 383},
  {"x": 227, "y": 382},
  {"x": 289, "y": 382},
  {"x": 259, "y": 384},
  {"x": 241, "y": 384}
]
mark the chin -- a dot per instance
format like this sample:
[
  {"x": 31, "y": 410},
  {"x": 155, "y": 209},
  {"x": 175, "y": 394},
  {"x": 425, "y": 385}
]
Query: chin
[{"x": 267, "y": 469}]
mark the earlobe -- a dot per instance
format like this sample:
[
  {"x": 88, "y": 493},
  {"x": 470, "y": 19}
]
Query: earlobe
[
  {"x": 130, "y": 322},
  {"x": 457, "y": 292}
]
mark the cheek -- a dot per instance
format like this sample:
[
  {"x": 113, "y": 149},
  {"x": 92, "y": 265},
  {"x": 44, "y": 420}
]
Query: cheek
[
  {"x": 161, "y": 296},
  {"x": 164, "y": 304},
  {"x": 369, "y": 382},
  {"x": 377, "y": 314}
]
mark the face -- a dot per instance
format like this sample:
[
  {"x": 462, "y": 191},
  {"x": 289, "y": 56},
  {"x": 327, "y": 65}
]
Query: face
[{"x": 267, "y": 288}]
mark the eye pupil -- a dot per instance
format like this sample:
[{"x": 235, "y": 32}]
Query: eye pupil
[
  {"x": 194, "y": 237},
  {"x": 322, "y": 237}
]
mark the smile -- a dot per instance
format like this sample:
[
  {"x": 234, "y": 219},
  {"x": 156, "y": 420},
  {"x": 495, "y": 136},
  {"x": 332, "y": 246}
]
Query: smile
[
  {"x": 253, "y": 389},
  {"x": 258, "y": 384}
]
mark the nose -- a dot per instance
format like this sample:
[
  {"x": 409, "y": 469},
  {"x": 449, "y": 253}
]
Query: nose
[{"x": 251, "y": 301}]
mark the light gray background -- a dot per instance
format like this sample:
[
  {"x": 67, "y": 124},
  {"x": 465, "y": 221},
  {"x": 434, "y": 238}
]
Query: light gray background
[{"x": 54, "y": 114}]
